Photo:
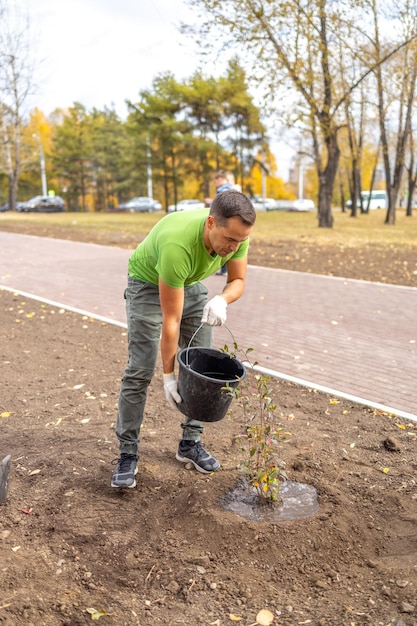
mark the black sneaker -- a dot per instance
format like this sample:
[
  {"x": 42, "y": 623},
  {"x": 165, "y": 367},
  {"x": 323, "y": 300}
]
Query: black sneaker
[
  {"x": 193, "y": 452},
  {"x": 125, "y": 472}
]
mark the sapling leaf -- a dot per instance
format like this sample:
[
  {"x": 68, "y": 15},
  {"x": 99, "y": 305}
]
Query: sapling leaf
[{"x": 262, "y": 434}]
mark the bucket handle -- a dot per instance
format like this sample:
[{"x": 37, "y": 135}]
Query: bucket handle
[{"x": 194, "y": 334}]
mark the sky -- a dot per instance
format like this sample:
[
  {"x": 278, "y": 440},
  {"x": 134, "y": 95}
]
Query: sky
[
  {"x": 99, "y": 52},
  {"x": 104, "y": 52}
]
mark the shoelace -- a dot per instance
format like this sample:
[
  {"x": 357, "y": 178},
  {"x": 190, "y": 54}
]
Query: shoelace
[
  {"x": 198, "y": 449},
  {"x": 123, "y": 463}
]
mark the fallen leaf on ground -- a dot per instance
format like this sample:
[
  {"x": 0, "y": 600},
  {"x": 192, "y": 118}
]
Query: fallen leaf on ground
[
  {"x": 96, "y": 614},
  {"x": 265, "y": 617}
]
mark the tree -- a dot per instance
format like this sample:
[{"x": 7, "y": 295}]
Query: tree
[
  {"x": 249, "y": 133},
  {"x": 36, "y": 134},
  {"x": 294, "y": 45},
  {"x": 227, "y": 129},
  {"x": 195, "y": 127},
  {"x": 72, "y": 155},
  {"x": 204, "y": 110},
  {"x": 155, "y": 122},
  {"x": 402, "y": 74},
  {"x": 112, "y": 169},
  {"x": 411, "y": 169},
  {"x": 92, "y": 158},
  {"x": 16, "y": 84}
]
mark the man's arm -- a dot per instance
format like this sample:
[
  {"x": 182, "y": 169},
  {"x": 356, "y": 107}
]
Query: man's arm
[
  {"x": 215, "y": 311},
  {"x": 236, "y": 275},
  {"x": 172, "y": 304}
]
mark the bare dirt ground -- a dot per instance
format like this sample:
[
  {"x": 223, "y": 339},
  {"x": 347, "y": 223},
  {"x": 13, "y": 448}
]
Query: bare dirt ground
[{"x": 73, "y": 550}]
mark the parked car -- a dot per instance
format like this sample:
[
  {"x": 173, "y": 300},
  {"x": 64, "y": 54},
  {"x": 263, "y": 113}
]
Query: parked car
[
  {"x": 5, "y": 207},
  {"x": 42, "y": 204},
  {"x": 141, "y": 204},
  {"x": 186, "y": 205},
  {"x": 264, "y": 204},
  {"x": 302, "y": 204}
]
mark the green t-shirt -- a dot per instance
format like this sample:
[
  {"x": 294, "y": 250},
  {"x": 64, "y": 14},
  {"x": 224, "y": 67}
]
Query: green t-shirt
[{"x": 174, "y": 250}]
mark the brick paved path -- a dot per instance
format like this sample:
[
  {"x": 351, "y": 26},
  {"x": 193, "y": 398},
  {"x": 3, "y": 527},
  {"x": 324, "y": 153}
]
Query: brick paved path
[{"x": 353, "y": 337}]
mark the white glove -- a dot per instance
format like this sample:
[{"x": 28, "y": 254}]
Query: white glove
[
  {"x": 215, "y": 312},
  {"x": 171, "y": 391}
]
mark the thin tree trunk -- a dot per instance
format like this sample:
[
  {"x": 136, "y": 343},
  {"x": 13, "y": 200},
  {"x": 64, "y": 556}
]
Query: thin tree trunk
[
  {"x": 411, "y": 188},
  {"x": 326, "y": 180}
]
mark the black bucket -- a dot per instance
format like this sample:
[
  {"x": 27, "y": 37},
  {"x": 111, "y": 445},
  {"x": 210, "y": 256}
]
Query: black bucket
[{"x": 203, "y": 375}]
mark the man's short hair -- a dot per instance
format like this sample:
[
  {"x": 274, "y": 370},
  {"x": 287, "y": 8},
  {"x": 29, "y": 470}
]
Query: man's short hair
[{"x": 233, "y": 204}]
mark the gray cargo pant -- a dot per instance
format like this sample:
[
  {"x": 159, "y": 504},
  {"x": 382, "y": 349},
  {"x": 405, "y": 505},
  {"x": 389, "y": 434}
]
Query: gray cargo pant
[{"x": 144, "y": 322}]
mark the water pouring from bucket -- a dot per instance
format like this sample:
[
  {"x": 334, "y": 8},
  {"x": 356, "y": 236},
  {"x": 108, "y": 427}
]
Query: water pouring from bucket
[{"x": 204, "y": 380}]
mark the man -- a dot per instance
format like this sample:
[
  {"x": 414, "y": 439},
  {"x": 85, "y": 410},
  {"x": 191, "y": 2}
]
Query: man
[
  {"x": 222, "y": 182},
  {"x": 166, "y": 303}
]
